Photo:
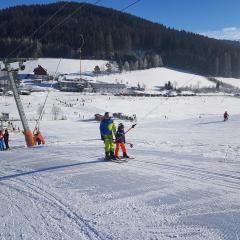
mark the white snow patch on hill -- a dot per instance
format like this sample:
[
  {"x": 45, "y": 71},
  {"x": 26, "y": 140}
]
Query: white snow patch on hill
[
  {"x": 232, "y": 81},
  {"x": 151, "y": 78},
  {"x": 65, "y": 65},
  {"x": 156, "y": 77}
]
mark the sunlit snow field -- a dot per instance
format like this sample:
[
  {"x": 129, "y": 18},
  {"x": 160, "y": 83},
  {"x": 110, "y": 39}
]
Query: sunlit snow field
[{"x": 184, "y": 182}]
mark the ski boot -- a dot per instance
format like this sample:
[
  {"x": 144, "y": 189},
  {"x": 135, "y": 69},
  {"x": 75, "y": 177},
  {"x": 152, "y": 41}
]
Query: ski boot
[
  {"x": 112, "y": 156},
  {"x": 107, "y": 156},
  {"x": 125, "y": 155}
]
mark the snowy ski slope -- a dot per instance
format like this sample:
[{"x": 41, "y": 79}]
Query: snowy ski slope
[{"x": 184, "y": 182}]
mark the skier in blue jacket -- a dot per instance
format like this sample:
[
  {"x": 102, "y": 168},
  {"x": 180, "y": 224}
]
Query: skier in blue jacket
[
  {"x": 107, "y": 130},
  {"x": 1, "y": 141}
]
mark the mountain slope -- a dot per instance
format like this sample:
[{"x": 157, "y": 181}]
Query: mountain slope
[{"x": 110, "y": 34}]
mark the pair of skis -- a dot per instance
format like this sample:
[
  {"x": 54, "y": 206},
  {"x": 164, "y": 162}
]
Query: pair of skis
[{"x": 120, "y": 160}]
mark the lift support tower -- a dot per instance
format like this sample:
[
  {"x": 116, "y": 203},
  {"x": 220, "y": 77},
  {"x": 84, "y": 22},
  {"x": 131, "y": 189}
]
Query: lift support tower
[{"x": 27, "y": 131}]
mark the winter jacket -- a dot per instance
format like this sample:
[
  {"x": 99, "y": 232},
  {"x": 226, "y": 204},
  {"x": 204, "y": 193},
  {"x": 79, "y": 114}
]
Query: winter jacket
[
  {"x": 107, "y": 127},
  {"x": 1, "y": 142},
  {"x": 6, "y": 136},
  {"x": 120, "y": 136},
  {"x": 225, "y": 115},
  {"x": 39, "y": 138}
]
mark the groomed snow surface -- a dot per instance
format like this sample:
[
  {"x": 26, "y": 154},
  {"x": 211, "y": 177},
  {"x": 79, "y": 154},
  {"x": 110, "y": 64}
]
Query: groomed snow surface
[{"x": 184, "y": 182}]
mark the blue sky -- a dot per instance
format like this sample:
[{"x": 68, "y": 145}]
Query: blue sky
[{"x": 215, "y": 18}]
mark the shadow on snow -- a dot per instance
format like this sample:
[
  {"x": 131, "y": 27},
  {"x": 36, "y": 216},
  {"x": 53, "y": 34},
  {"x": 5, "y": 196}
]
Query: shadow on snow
[{"x": 2, "y": 178}]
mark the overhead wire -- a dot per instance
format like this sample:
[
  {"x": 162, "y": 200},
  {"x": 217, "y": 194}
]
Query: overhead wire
[
  {"x": 49, "y": 90},
  {"x": 60, "y": 23},
  {"x": 63, "y": 21},
  {"x": 158, "y": 105},
  {"x": 41, "y": 26},
  {"x": 56, "y": 26},
  {"x": 130, "y": 5}
]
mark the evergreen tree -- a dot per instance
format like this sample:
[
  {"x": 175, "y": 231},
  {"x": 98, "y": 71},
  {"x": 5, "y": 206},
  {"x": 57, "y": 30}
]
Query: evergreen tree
[
  {"x": 126, "y": 66},
  {"x": 114, "y": 35},
  {"x": 145, "y": 63},
  {"x": 109, "y": 46}
]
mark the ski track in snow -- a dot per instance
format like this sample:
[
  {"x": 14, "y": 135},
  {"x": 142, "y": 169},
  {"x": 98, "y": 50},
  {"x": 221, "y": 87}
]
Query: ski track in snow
[
  {"x": 34, "y": 189},
  {"x": 184, "y": 182},
  {"x": 48, "y": 206}
]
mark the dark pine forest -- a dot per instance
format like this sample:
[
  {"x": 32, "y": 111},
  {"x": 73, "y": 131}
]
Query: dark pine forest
[{"x": 110, "y": 34}]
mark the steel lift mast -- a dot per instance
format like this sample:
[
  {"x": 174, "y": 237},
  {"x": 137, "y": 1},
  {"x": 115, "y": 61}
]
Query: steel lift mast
[{"x": 27, "y": 131}]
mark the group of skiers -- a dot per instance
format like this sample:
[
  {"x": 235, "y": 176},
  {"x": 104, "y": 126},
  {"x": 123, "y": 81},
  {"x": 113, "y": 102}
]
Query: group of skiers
[
  {"x": 108, "y": 130},
  {"x": 4, "y": 138}
]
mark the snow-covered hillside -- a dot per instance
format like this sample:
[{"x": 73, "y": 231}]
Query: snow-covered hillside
[
  {"x": 156, "y": 77},
  {"x": 64, "y": 66},
  {"x": 184, "y": 182},
  {"x": 232, "y": 81},
  {"x": 151, "y": 78}
]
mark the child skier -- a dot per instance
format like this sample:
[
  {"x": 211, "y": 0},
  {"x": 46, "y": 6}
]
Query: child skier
[
  {"x": 120, "y": 141},
  {"x": 38, "y": 137},
  {"x": 1, "y": 141},
  {"x": 6, "y": 139}
]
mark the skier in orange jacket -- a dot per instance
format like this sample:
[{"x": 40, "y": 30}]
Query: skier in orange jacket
[{"x": 38, "y": 137}]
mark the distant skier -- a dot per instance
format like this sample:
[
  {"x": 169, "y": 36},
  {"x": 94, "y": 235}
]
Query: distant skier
[
  {"x": 120, "y": 141},
  {"x": 6, "y": 139},
  {"x": 225, "y": 116},
  {"x": 107, "y": 129},
  {"x": 1, "y": 141}
]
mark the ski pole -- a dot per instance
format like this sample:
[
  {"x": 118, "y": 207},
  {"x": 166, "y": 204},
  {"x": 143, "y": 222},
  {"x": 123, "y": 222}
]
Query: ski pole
[{"x": 133, "y": 126}]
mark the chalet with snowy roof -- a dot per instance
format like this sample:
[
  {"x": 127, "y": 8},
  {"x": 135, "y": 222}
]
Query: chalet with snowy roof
[{"x": 40, "y": 74}]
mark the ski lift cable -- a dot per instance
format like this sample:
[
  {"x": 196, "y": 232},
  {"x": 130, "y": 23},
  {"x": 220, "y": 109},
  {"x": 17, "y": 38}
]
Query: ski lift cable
[
  {"x": 45, "y": 101},
  {"x": 40, "y": 27},
  {"x": 63, "y": 21},
  {"x": 130, "y": 5},
  {"x": 158, "y": 105}
]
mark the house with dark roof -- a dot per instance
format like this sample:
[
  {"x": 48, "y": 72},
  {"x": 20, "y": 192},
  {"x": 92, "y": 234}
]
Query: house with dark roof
[{"x": 40, "y": 74}]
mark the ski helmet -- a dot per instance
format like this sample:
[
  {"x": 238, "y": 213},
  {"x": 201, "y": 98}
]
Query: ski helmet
[
  {"x": 120, "y": 125},
  {"x": 106, "y": 115}
]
